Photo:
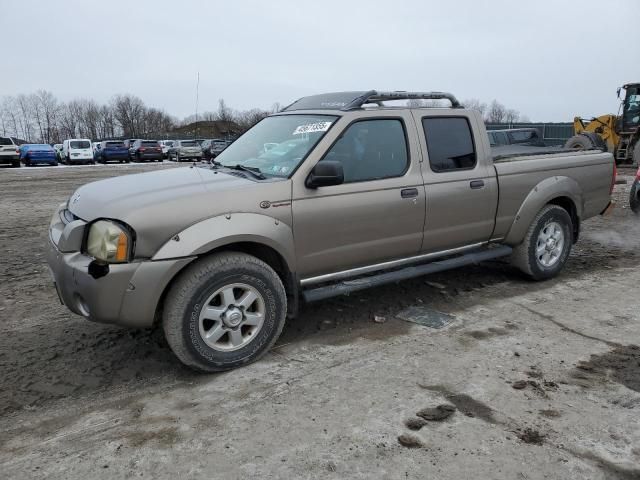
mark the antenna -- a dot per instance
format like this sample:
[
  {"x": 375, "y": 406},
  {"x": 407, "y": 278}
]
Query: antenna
[{"x": 197, "y": 98}]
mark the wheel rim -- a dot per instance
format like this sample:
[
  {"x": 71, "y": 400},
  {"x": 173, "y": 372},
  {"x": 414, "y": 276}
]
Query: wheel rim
[
  {"x": 232, "y": 317},
  {"x": 550, "y": 244}
]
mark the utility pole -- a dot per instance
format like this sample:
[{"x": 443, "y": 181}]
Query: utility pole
[{"x": 197, "y": 98}]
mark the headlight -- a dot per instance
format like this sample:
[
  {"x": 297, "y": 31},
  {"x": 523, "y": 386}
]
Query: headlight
[{"x": 109, "y": 242}]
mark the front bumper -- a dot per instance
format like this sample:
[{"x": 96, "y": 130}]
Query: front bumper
[{"x": 127, "y": 295}]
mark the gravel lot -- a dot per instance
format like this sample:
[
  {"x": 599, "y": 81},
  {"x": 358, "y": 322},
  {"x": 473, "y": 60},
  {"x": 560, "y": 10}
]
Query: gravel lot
[{"x": 544, "y": 377}]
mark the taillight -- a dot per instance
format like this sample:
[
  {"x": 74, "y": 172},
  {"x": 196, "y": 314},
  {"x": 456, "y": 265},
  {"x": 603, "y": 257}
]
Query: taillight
[
  {"x": 141, "y": 149},
  {"x": 17, "y": 150}
]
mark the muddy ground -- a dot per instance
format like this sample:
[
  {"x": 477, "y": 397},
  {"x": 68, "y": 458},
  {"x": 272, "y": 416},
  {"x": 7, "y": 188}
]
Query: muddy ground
[{"x": 544, "y": 378}]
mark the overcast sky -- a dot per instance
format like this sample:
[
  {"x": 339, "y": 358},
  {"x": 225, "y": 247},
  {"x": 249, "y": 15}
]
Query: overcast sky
[{"x": 548, "y": 59}]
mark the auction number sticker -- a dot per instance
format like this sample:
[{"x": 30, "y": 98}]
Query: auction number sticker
[{"x": 312, "y": 127}]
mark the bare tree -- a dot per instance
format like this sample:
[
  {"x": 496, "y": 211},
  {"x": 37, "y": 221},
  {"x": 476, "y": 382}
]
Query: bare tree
[
  {"x": 511, "y": 115},
  {"x": 475, "y": 104},
  {"x": 496, "y": 112}
]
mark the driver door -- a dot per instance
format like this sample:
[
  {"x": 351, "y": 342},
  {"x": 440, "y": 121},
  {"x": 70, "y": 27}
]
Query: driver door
[{"x": 377, "y": 214}]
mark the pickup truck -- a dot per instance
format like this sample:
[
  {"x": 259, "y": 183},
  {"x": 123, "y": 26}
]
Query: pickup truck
[{"x": 337, "y": 193}]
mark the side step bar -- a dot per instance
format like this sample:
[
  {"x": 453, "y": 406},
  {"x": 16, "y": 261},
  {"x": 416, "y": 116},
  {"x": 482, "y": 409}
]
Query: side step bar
[{"x": 348, "y": 286}]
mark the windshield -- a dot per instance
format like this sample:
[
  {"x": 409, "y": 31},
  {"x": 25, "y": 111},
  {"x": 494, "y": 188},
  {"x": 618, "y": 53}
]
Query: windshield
[
  {"x": 277, "y": 144},
  {"x": 80, "y": 144},
  {"x": 114, "y": 145}
]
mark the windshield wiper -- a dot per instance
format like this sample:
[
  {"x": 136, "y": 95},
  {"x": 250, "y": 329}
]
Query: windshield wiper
[
  {"x": 253, "y": 171},
  {"x": 215, "y": 164}
]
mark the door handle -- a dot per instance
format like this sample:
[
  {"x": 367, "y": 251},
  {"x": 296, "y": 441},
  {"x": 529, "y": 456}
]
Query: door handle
[
  {"x": 409, "y": 192},
  {"x": 475, "y": 184}
]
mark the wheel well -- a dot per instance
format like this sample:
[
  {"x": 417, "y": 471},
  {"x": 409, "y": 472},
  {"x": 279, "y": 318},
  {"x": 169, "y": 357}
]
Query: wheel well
[
  {"x": 265, "y": 253},
  {"x": 570, "y": 207}
]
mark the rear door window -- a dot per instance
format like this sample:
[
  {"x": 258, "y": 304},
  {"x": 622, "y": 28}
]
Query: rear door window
[{"x": 449, "y": 143}]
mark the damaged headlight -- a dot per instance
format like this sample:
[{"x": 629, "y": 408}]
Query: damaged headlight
[{"x": 109, "y": 242}]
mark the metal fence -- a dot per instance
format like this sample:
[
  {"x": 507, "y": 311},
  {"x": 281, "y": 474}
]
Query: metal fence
[{"x": 552, "y": 133}]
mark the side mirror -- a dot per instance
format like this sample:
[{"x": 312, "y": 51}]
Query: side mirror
[{"x": 325, "y": 174}]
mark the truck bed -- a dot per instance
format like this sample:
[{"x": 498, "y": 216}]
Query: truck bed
[{"x": 589, "y": 172}]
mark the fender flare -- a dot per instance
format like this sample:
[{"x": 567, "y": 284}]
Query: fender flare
[
  {"x": 222, "y": 230},
  {"x": 539, "y": 196}
]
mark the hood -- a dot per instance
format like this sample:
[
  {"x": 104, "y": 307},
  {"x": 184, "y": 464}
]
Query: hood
[{"x": 159, "y": 204}]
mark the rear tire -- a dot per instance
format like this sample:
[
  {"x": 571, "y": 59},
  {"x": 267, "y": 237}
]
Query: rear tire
[
  {"x": 15, "y": 164},
  {"x": 546, "y": 245},
  {"x": 210, "y": 297}
]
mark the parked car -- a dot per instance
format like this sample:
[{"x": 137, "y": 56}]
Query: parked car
[
  {"x": 145, "y": 150},
  {"x": 165, "y": 144},
  {"x": 129, "y": 144},
  {"x": 77, "y": 150},
  {"x": 225, "y": 252},
  {"x": 9, "y": 152},
  {"x": 58, "y": 148},
  {"x": 213, "y": 148},
  {"x": 112, "y": 151},
  {"x": 184, "y": 150},
  {"x": 515, "y": 136},
  {"x": 38, "y": 153}
]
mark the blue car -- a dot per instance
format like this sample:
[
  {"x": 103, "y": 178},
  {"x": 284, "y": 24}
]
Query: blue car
[
  {"x": 111, "y": 150},
  {"x": 34, "y": 154}
]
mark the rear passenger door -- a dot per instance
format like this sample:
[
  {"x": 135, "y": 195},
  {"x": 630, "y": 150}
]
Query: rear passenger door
[{"x": 460, "y": 181}]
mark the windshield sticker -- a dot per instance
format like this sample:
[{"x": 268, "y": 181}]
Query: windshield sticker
[{"x": 312, "y": 127}]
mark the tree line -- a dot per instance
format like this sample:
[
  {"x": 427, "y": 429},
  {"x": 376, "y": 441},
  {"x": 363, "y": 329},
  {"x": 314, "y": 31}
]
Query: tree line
[
  {"x": 40, "y": 117},
  {"x": 494, "y": 112}
]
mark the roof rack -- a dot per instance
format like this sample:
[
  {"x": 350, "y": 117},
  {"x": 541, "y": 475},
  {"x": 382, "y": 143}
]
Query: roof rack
[
  {"x": 374, "y": 96},
  {"x": 353, "y": 100}
]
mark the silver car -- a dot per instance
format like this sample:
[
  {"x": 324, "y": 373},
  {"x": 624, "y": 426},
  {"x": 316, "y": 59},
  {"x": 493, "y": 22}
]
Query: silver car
[{"x": 184, "y": 150}]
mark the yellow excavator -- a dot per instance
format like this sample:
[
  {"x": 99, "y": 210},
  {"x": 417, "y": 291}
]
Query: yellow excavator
[{"x": 618, "y": 134}]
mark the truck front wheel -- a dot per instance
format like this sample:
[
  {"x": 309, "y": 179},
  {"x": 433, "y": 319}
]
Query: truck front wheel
[
  {"x": 546, "y": 245},
  {"x": 224, "y": 311}
]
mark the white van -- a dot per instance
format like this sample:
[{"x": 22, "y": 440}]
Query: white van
[{"x": 77, "y": 150}]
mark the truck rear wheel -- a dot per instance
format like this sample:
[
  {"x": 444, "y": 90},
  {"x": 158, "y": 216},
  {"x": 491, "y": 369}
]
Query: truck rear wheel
[
  {"x": 224, "y": 311},
  {"x": 547, "y": 244}
]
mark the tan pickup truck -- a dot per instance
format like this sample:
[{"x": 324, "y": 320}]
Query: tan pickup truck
[{"x": 337, "y": 193}]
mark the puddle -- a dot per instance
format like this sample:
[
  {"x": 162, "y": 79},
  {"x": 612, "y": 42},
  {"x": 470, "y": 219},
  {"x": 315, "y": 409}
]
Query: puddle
[{"x": 425, "y": 316}]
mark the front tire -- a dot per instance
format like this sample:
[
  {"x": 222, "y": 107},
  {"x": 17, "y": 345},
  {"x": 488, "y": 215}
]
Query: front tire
[
  {"x": 546, "y": 245},
  {"x": 224, "y": 311}
]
